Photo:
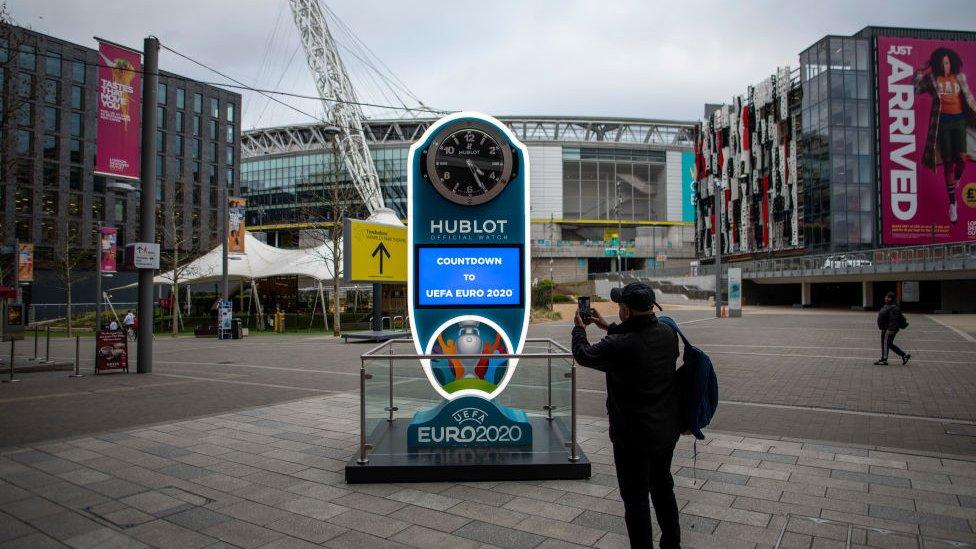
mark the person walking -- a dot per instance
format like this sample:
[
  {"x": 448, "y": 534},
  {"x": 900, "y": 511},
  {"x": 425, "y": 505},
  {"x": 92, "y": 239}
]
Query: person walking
[
  {"x": 890, "y": 320},
  {"x": 130, "y": 323},
  {"x": 639, "y": 357}
]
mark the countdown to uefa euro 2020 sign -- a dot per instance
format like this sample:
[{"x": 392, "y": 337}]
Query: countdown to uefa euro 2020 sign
[{"x": 468, "y": 268}]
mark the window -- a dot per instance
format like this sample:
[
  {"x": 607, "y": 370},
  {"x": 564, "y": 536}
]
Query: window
[
  {"x": 119, "y": 210},
  {"x": 196, "y": 172},
  {"x": 195, "y": 148},
  {"x": 25, "y": 85},
  {"x": 160, "y": 165},
  {"x": 50, "y": 147},
  {"x": 179, "y": 167},
  {"x": 178, "y": 144},
  {"x": 52, "y": 63},
  {"x": 161, "y": 98},
  {"x": 197, "y": 103},
  {"x": 74, "y": 178},
  {"x": 49, "y": 203},
  {"x": 23, "y": 142},
  {"x": 161, "y": 117},
  {"x": 24, "y": 114},
  {"x": 27, "y": 60},
  {"x": 74, "y": 151},
  {"x": 230, "y": 178},
  {"x": 213, "y": 129},
  {"x": 77, "y": 97},
  {"x": 179, "y": 121},
  {"x": 213, "y": 151},
  {"x": 213, "y": 174},
  {"x": 160, "y": 142},
  {"x": 98, "y": 203},
  {"x": 230, "y": 134},
  {"x": 230, "y": 155},
  {"x": 50, "y": 119},
  {"x": 195, "y": 129},
  {"x": 180, "y": 98},
  {"x": 78, "y": 71},
  {"x": 230, "y": 112},
  {"x": 50, "y": 176},
  {"x": 214, "y": 107},
  {"x": 75, "y": 127},
  {"x": 51, "y": 90}
]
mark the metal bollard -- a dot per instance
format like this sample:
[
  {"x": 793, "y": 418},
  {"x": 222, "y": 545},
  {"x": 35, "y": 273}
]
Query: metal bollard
[
  {"x": 11, "y": 378},
  {"x": 77, "y": 358},
  {"x": 35, "y": 342},
  {"x": 47, "y": 345}
]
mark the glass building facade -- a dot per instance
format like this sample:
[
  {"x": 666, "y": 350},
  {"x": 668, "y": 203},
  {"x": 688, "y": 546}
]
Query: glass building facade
[
  {"x": 837, "y": 145},
  {"x": 613, "y": 183}
]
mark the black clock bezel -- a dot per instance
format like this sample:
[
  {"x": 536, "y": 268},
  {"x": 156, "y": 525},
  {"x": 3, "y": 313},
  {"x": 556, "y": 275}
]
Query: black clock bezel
[{"x": 508, "y": 163}]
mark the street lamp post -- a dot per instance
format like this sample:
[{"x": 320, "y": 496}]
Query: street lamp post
[{"x": 147, "y": 213}]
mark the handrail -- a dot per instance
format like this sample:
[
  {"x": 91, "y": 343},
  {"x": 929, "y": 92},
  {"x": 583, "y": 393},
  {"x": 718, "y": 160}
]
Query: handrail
[{"x": 373, "y": 353}]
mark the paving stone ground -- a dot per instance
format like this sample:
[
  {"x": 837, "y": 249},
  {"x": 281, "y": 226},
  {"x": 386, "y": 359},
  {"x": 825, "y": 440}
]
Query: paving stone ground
[{"x": 272, "y": 477}]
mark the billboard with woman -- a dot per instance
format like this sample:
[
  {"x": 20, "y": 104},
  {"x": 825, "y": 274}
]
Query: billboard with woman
[{"x": 927, "y": 130}]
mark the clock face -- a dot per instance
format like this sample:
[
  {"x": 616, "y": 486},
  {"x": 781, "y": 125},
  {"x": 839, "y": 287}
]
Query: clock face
[{"x": 469, "y": 164}]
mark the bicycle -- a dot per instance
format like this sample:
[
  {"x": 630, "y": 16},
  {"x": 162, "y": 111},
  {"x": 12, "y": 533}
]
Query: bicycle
[{"x": 130, "y": 333}]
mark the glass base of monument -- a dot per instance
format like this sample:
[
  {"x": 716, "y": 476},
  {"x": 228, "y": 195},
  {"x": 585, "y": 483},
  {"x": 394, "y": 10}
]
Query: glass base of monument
[{"x": 391, "y": 460}]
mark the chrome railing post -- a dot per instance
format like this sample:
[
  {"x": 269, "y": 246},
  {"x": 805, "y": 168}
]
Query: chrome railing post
[
  {"x": 549, "y": 386},
  {"x": 391, "y": 408},
  {"x": 573, "y": 456},
  {"x": 363, "y": 460}
]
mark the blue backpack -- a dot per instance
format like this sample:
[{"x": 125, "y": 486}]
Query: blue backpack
[{"x": 697, "y": 386}]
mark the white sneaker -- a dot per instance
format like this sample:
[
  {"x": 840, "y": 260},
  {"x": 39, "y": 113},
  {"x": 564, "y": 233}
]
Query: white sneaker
[{"x": 953, "y": 216}]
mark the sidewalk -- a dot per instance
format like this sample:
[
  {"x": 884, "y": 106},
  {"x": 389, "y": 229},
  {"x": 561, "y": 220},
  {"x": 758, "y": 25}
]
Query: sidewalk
[{"x": 272, "y": 477}]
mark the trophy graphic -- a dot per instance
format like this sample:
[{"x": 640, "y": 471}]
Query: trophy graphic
[{"x": 469, "y": 343}]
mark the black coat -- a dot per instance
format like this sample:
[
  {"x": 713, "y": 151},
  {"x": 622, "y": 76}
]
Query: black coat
[
  {"x": 639, "y": 357},
  {"x": 889, "y": 317}
]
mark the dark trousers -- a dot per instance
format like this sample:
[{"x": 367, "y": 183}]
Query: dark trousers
[
  {"x": 888, "y": 344},
  {"x": 641, "y": 472}
]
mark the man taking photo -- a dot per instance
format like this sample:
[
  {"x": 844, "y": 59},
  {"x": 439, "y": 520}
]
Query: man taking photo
[{"x": 639, "y": 357}]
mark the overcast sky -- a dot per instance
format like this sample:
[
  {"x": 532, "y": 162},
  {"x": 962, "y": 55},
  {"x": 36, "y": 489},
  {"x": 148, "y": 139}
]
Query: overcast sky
[{"x": 604, "y": 58}]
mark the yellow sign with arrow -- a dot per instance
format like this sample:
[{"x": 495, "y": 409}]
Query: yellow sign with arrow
[{"x": 374, "y": 252}]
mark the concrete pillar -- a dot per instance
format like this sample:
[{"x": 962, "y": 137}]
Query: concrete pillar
[
  {"x": 806, "y": 294},
  {"x": 867, "y": 295}
]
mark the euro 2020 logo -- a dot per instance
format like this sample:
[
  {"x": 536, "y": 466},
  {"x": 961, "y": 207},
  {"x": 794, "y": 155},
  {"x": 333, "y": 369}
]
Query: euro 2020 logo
[{"x": 485, "y": 377}]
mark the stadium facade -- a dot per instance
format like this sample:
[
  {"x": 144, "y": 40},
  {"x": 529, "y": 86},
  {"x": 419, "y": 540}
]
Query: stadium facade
[{"x": 601, "y": 187}]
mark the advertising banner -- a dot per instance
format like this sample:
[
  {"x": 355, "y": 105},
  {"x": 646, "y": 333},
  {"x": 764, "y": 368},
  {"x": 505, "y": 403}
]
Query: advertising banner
[
  {"x": 111, "y": 351},
  {"x": 119, "y": 107},
  {"x": 235, "y": 225},
  {"x": 688, "y": 186},
  {"x": 927, "y": 129},
  {"x": 735, "y": 291},
  {"x": 25, "y": 262},
  {"x": 13, "y": 321},
  {"x": 109, "y": 248}
]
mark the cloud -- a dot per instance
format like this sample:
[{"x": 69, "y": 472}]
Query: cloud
[{"x": 613, "y": 58}]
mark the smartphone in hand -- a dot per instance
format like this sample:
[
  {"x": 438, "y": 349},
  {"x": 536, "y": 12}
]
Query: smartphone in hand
[{"x": 584, "y": 307}]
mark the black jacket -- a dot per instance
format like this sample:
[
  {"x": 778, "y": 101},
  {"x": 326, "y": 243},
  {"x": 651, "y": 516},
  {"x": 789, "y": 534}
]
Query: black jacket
[
  {"x": 889, "y": 317},
  {"x": 639, "y": 357}
]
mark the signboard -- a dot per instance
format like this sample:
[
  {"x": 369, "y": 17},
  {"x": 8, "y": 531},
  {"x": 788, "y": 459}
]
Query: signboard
[
  {"x": 111, "y": 351},
  {"x": 453, "y": 276},
  {"x": 469, "y": 421},
  {"x": 109, "y": 248},
  {"x": 374, "y": 252},
  {"x": 142, "y": 255},
  {"x": 235, "y": 225},
  {"x": 909, "y": 291},
  {"x": 688, "y": 186},
  {"x": 226, "y": 316},
  {"x": 735, "y": 291},
  {"x": 13, "y": 321},
  {"x": 25, "y": 262},
  {"x": 119, "y": 107},
  {"x": 927, "y": 143},
  {"x": 468, "y": 206}
]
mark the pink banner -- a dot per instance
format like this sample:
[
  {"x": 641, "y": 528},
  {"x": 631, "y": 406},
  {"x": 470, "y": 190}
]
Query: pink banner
[
  {"x": 109, "y": 248},
  {"x": 119, "y": 113},
  {"x": 927, "y": 130}
]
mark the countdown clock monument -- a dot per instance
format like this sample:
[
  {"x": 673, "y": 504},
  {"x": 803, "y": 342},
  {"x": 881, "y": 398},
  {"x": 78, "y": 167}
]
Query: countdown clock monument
[{"x": 469, "y": 307}]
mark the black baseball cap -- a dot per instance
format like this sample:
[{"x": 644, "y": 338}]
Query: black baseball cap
[{"x": 636, "y": 295}]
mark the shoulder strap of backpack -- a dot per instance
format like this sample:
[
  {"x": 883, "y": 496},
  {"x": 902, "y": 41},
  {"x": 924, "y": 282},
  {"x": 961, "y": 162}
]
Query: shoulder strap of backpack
[{"x": 674, "y": 325}]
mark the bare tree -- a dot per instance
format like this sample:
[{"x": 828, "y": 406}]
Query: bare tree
[
  {"x": 67, "y": 259},
  {"x": 180, "y": 265},
  {"x": 19, "y": 87},
  {"x": 327, "y": 200}
]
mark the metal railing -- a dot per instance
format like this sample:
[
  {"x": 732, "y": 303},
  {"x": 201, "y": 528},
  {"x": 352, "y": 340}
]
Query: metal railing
[{"x": 384, "y": 351}]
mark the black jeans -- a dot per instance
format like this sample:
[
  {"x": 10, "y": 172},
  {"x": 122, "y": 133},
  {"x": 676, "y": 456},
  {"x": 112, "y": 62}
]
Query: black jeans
[
  {"x": 639, "y": 472},
  {"x": 888, "y": 344}
]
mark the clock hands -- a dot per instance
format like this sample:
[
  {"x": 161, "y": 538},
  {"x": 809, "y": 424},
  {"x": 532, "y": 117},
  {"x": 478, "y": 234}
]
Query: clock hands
[{"x": 475, "y": 170}]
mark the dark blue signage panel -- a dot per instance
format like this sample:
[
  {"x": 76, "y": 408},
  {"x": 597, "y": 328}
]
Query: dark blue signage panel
[{"x": 469, "y": 276}]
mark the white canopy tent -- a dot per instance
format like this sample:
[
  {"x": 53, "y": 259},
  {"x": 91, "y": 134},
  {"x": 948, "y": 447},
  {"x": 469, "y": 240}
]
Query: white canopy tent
[{"x": 259, "y": 261}]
